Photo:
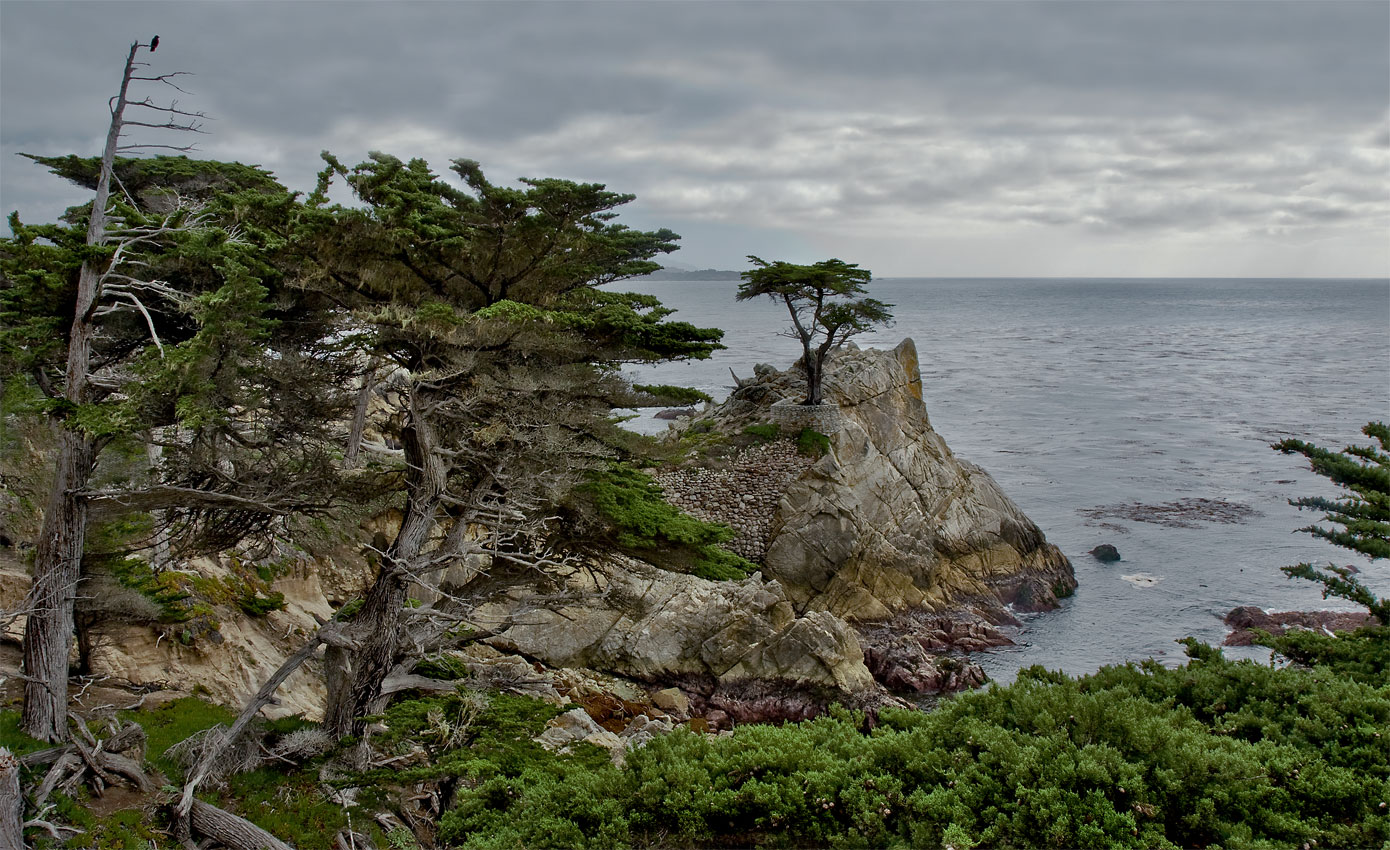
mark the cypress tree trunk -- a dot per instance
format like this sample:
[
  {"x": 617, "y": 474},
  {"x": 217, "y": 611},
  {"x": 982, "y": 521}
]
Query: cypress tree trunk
[
  {"x": 815, "y": 369},
  {"x": 58, "y": 553},
  {"x": 11, "y": 801},
  {"x": 355, "y": 679},
  {"x": 57, "y": 567}
]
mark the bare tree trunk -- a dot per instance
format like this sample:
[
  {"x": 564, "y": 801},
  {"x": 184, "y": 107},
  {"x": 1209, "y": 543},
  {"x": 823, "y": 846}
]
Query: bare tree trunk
[
  {"x": 58, "y": 554},
  {"x": 359, "y": 684},
  {"x": 355, "y": 682},
  {"x": 11, "y": 803},
  {"x": 815, "y": 370},
  {"x": 48, "y": 633}
]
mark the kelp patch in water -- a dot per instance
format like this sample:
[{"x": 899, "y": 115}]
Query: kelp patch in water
[{"x": 1183, "y": 513}]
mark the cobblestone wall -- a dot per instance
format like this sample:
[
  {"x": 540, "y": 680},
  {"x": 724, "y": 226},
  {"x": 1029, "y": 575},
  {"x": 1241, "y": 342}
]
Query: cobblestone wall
[{"x": 743, "y": 496}]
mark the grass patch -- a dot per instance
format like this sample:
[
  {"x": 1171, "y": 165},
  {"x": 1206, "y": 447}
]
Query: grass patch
[
  {"x": 12, "y": 737},
  {"x": 812, "y": 443},
  {"x": 765, "y": 433},
  {"x": 173, "y": 722}
]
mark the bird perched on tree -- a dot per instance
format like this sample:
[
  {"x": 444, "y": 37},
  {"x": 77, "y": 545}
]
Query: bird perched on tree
[{"x": 154, "y": 43}]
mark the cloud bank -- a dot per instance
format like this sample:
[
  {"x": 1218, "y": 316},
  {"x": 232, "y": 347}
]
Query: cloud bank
[{"x": 916, "y": 138}]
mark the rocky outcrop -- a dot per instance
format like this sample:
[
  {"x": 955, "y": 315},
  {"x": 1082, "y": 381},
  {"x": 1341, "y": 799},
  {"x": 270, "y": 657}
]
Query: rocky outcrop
[
  {"x": 632, "y": 618},
  {"x": 885, "y": 560},
  {"x": 889, "y": 520}
]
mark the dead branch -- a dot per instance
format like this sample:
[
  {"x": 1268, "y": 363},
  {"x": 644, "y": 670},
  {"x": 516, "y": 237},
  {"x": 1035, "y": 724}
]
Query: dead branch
[
  {"x": 220, "y": 740},
  {"x": 172, "y": 496}
]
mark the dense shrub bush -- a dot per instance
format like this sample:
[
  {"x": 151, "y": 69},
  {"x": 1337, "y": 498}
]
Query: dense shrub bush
[{"x": 1217, "y": 753}]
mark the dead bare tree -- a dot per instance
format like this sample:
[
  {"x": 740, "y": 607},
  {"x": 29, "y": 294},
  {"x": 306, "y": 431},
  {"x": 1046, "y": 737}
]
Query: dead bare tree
[{"x": 105, "y": 285}]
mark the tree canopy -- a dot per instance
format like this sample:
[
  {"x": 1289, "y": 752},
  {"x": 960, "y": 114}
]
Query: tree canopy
[
  {"x": 827, "y": 304},
  {"x": 504, "y": 351}
]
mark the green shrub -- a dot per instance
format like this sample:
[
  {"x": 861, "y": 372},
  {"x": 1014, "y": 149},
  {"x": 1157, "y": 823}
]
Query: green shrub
[
  {"x": 1215, "y": 753},
  {"x": 667, "y": 394},
  {"x": 648, "y": 526},
  {"x": 256, "y": 605}
]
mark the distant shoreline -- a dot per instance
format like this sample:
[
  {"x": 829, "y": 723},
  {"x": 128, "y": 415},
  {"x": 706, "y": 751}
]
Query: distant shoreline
[
  {"x": 698, "y": 274},
  {"x": 716, "y": 275}
]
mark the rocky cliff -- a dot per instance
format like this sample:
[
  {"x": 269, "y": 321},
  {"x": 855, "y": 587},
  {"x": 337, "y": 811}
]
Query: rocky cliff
[{"x": 889, "y": 520}]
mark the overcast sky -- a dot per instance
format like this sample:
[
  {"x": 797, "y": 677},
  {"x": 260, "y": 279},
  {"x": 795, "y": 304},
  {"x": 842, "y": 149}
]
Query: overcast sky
[{"x": 916, "y": 139}]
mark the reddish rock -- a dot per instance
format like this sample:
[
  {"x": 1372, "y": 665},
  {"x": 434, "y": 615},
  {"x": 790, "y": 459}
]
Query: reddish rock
[{"x": 1245, "y": 619}]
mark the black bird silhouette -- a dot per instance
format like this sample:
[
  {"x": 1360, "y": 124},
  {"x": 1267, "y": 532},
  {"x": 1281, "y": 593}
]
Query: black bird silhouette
[{"x": 154, "y": 43}]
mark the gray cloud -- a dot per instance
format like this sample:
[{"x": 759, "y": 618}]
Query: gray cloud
[{"x": 819, "y": 124}]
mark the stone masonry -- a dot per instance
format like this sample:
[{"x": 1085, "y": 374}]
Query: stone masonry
[{"x": 744, "y": 496}]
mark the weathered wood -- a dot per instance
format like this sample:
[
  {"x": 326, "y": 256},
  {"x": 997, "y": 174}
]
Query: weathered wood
[
  {"x": 11, "y": 803},
  {"x": 377, "y": 624},
  {"x": 359, "y": 414},
  {"x": 217, "y": 744},
  {"x": 65, "y": 765},
  {"x": 397, "y": 682},
  {"x": 48, "y": 633},
  {"x": 236, "y": 832}
]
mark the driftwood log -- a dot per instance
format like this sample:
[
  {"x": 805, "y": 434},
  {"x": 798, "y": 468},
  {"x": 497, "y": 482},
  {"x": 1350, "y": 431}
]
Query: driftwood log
[
  {"x": 11, "y": 803},
  {"x": 237, "y": 833}
]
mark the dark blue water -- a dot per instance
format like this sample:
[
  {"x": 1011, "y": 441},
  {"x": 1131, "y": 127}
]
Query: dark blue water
[{"x": 1081, "y": 395}]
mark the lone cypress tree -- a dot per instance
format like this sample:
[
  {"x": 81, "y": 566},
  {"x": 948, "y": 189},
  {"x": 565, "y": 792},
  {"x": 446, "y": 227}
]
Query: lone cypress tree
[
  {"x": 825, "y": 306},
  {"x": 1363, "y": 514}
]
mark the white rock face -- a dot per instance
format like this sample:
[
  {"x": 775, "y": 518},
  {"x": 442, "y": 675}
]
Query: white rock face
[
  {"x": 233, "y": 666},
  {"x": 574, "y": 726}
]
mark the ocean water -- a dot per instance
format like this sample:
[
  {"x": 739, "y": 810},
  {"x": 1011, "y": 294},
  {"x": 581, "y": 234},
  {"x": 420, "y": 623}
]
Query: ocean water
[{"x": 1085, "y": 396}]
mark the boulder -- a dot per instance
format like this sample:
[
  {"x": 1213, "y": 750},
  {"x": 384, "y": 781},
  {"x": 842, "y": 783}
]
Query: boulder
[
  {"x": 574, "y": 726},
  {"x": 1105, "y": 553},
  {"x": 676, "y": 413},
  {"x": 672, "y": 700}
]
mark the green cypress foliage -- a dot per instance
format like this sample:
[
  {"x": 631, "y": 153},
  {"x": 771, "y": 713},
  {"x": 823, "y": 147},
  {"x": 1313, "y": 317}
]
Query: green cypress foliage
[{"x": 1361, "y": 517}]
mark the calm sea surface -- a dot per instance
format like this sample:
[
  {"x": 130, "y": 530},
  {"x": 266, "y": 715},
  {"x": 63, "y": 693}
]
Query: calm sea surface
[{"x": 1082, "y": 396}]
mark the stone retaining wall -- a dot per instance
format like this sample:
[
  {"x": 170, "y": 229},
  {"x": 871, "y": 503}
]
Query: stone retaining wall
[
  {"x": 792, "y": 416},
  {"x": 744, "y": 496}
]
